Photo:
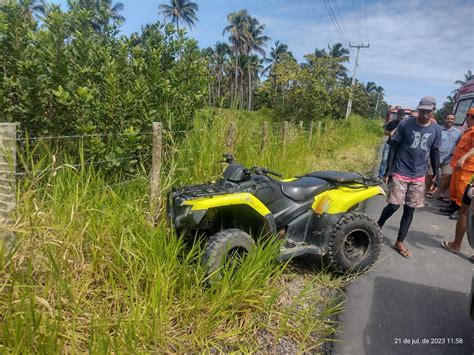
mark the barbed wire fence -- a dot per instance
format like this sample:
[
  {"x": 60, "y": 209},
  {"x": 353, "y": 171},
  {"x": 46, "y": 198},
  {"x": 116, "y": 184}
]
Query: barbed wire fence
[{"x": 161, "y": 150}]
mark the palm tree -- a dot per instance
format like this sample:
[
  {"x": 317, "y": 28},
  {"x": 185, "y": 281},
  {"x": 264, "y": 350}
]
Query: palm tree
[
  {"x": 220, "y": 56},
  {"x": 372, "y": 87},
  {"x": 238, "y": 37},
  {"x": 468, "y": 76},
  {"x": 338, "y": 51},
  {"x": 254, "y": 43},
  {"x": 33, "y": 7},
  {"x": 180, "y": 11},
  {"x": 320, "y": 53},
  {"x": 276, "y": 54},
  {"x": 103, "y": 12}
]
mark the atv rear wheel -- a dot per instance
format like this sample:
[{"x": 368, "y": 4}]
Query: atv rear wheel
[
  {"x": 355, "y": 243},
  {"x": 226, "y": 246}
]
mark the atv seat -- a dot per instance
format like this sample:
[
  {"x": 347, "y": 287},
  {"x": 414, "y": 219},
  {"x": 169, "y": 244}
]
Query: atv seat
[
  {"x": 304, "y": 188},
  {"x": 336, "y": 176}
]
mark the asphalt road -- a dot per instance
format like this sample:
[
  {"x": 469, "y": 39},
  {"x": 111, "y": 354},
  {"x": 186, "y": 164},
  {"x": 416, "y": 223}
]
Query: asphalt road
[{"x": 411, "y": 306}]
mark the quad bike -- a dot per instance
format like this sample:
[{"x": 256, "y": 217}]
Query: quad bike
[{"x": 315, "y": 214}]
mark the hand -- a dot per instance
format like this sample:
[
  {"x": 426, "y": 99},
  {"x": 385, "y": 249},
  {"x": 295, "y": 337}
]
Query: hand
[
  {"x": 385, "y": 179},
  {"x": 460, "y": 162}
]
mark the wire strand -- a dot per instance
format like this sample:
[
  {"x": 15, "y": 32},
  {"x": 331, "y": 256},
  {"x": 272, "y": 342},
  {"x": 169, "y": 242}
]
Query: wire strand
[
  {"x": 71, "y": 166},
  {"x": 82, "y": 136}
]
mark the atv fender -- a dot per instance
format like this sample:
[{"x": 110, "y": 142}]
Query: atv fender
[
  {"x": 342, "y": 199},
  {"x": 200, "y": 206}
]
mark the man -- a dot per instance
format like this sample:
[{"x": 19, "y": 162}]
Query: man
[
  {"x": 412, "y": 143},
  {"x": 449, "y": 138},
  {"x": 413, "y": 114},
  {"x": 462, "y": 163},
  {"x": 389, "y": 130}
]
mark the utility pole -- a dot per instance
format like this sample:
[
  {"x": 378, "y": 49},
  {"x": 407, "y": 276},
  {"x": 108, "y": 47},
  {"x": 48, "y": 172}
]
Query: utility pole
[
  {"x": 349, "y": 104},
  {"x": 377, "y": 104}
]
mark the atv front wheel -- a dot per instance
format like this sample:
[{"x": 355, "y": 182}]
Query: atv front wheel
[
  {"x": 226, "y": 246},
  {"x": 355, "y": 243}
]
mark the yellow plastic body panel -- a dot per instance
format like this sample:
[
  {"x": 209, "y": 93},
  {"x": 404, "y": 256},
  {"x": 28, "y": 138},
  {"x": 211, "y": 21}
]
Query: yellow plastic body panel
[
  {"x": 243, "y": 198},
  {"x": 341, "y": 200}
]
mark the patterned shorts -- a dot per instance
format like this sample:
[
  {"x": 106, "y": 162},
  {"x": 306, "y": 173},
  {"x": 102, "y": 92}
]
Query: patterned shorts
[{"x": 403, "y": 192}]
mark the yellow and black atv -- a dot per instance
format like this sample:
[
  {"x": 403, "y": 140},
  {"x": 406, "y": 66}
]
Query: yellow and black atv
[{"x": 315, "y": 214}]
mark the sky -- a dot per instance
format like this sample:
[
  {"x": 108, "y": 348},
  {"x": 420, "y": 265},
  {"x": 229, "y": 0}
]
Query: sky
[{"x": 417, "y": 47}]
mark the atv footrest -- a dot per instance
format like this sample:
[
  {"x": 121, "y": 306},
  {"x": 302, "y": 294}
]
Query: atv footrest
[{"x": 297, "y": 249}]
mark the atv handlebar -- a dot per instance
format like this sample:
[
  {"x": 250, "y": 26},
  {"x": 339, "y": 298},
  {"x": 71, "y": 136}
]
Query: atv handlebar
[
  {"x": 263, "y": 171},
  {"x": 229, "y": 159}
]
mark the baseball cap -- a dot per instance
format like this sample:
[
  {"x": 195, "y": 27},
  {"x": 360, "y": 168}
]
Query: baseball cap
[
  {"x": 427, "y": 103},
  {"x": 470, "y": 111}
]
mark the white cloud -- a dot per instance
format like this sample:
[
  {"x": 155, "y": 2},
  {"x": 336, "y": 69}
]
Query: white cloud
[{"x": 410, "y": 40}]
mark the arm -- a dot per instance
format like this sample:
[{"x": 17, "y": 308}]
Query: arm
[
  {"x": 434, "y": 158},
  {"x": 463, "y": 159},
  {"x": 392, "y": 153},
  {"x": 389, "y": 128}
]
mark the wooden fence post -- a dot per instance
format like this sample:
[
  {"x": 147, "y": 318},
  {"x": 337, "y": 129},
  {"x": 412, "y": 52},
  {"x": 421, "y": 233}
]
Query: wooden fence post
[
  {"x": 230, "y": 138},
  {"x": 301, "y": 124},
  {"x": 310, "y": 139},
  {"x": 7, "y": 185},
  {"x": 264, "y": 143},
  {"x": 286, "y": 130},
  {"x": 155, "y": 188},
  {"x": 319, "y": 130}
]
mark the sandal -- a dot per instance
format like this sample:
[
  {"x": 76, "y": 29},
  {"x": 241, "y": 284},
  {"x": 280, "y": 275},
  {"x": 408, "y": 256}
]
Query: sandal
[
  {"x": 443, "y": 198},
  {"x": 403, "y": 252},
  {"x": 446, "y": 246}
]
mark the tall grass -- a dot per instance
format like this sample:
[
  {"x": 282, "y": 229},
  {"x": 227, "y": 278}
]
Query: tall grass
[{"x": 90, "y": 272}]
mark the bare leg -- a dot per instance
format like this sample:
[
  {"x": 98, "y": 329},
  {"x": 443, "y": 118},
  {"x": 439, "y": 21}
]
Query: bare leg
[
  {"x": 460, "y": 228},
  {"x": 445, "y": 180}
]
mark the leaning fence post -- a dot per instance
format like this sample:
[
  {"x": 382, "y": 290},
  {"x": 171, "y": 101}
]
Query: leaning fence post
[
  {"x": 155, "y": 188},
  {"x": 264, "y": 144},
  {"x": 286, "y": 129},
  {"x": 7, "y": 185},
  {"x": 319, "y": 130},
  {"x": 230, "y": 138},
  {"x": 310, "y": 139}
]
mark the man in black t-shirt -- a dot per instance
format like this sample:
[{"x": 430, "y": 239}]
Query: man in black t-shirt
[
  {"x": 389, "y": 130},
  {"x": 416, "y": 140},
  {"x": 392, "y": 125}
]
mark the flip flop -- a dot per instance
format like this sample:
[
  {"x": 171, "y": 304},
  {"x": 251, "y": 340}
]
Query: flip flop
[
  {"x": 443, "y": 198},
  {"x": 405, "y": 253},
  {"x": 446, "y": 246}
]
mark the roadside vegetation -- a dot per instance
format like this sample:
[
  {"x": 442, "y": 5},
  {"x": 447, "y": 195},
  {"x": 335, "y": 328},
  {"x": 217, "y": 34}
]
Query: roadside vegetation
[{"x": 91, "y": 273}]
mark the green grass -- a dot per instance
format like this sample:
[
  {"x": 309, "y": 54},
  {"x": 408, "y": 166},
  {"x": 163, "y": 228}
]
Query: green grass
[{"x": 91, "y": 273}]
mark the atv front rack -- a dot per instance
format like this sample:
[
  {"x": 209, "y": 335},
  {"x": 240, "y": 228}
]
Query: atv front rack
[
  {"x": 202, "y": 190},
  {"x": 190, "y": 192}
]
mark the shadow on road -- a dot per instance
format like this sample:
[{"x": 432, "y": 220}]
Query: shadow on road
[{"x": 449, "y": 330}]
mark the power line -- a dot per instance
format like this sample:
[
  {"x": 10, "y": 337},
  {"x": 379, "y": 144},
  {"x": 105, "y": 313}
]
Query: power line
[
  {"x": 355, "y": 19},
  {"x": 366, "y": 23},
  {"x": 338, "y": 14},
  {"x": 334, "y": 22}
]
